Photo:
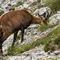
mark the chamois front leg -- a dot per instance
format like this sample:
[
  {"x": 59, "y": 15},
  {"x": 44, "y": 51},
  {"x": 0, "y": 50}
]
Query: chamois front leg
[
  {"x": 22, "y": 35},
  {"x": 14, "y": 39}
]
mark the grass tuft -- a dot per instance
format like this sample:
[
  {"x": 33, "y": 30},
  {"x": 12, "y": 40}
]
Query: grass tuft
[{"x": 47, "y": 41}]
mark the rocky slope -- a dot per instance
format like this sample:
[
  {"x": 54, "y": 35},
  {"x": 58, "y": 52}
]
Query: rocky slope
[{"x": 33, "y": 33}]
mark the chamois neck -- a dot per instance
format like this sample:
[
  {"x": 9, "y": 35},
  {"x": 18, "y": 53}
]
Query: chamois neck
[{"x": 36, "y": 20}]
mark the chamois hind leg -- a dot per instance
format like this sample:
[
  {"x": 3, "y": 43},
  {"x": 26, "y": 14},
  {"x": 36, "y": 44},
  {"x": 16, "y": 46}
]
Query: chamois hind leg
[
  {"x": 1, "y": 52},
  {"x": 22, "y": 35},
  {"x": 14, "y": 39}
]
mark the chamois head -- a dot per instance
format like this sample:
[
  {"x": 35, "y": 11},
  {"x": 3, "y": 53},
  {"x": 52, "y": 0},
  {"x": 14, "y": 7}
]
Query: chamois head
[{"x": 39, "y": 20}]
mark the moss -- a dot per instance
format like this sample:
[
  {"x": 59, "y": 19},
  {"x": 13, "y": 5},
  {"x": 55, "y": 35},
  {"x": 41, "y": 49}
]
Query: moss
[
  {"x": 53, "y": 4},
  {"x": 18, "y": 4},
  {"x": 57, "y": 41},
  {"x": 54, "y": 42},
  {"x": 45, "y": 27},
  {"x": 1, "y": 12}
]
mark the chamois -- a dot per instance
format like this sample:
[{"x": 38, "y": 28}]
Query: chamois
[{"x": 14, "y": 21}]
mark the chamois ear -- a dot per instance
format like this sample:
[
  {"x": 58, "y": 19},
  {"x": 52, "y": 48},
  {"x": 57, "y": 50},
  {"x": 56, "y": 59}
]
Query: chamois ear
[{"x": 1, "y": 32}]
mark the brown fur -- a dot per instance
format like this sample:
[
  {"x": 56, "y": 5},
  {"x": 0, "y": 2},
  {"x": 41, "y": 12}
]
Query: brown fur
[{"x": 14, "y": 21}]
